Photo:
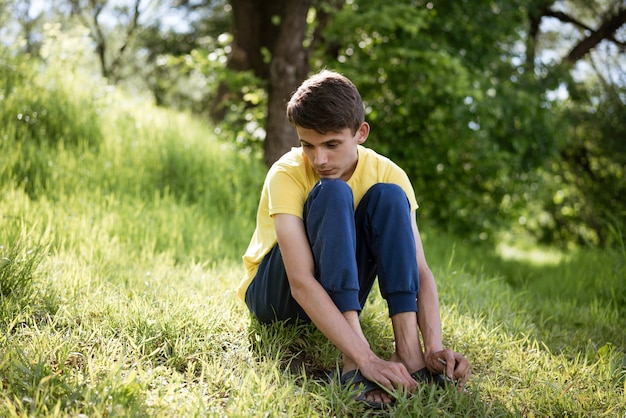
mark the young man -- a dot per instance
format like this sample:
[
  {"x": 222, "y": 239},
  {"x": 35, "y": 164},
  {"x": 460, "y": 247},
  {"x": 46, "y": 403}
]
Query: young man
[{"x": 333, "y": 216}]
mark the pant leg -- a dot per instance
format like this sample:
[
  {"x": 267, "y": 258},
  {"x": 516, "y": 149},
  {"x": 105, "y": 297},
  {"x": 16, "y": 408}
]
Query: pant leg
[
  {"x": 329, "y": 223},
  {"x": 385, "y": 239},
  {"x": 269, "y": 297},
  {"x": 349, "y": 249},
  {"x": 379, "y": 235},
  {"x": 330, "y": 228}
]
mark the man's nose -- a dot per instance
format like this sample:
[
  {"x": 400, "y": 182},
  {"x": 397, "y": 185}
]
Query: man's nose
[{"x": 321, "y": 157}]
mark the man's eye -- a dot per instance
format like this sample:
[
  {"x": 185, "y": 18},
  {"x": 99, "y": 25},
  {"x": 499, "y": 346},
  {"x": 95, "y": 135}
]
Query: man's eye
[
  {"x": 332, "y": 145},
  {"x": 305, "y": 145}
]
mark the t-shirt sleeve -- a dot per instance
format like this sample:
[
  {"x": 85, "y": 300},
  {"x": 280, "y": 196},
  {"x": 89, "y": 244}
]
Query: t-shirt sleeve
[
  {"x": 398, "y": 176},
  {"x": 285, "y": 195}
]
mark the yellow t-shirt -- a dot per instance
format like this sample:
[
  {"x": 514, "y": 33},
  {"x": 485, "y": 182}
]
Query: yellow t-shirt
[{"x": 287, "y": 186}]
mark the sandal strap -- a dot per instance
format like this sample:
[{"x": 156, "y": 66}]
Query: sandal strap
[
  {"x": 355, "y": 379},
  {"x": 424, "y": 375},
  {"x": 352, "y": 377}
]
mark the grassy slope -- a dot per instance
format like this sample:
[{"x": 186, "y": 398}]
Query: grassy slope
[{"x": 121, "y": 228}]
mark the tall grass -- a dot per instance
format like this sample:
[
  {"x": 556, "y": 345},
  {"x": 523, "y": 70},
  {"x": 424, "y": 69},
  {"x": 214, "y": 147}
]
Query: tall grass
[{"x": 121, "y": 229}]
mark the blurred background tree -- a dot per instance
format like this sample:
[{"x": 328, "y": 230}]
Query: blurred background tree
[{"x": 508, "y": 115}]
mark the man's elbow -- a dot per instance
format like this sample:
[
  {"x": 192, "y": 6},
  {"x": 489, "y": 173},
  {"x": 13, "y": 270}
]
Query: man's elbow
[
  {"x": 425, "y": 271},
  {"x": 298, "y": 290}
]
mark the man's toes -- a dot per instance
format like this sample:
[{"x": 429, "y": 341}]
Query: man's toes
[{"x": 379, "y": 396}]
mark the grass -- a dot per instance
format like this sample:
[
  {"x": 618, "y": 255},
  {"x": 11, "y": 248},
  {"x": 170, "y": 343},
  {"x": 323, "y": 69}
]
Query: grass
[{"x": 120, "y": 236}]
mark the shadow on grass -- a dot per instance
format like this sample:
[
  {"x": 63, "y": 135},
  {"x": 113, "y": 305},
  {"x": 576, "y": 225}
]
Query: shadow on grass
[
  {"x": 302, "y": 350},
  {"x": 577, "y": 300},
  {"x": 296, "y": 348}
]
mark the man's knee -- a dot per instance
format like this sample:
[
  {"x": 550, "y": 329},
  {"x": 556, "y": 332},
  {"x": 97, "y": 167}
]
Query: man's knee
[
  {"x": 388, "y": 193},
  {"x": 334, "y": 187},
  {"x": 335, "y": 192}
]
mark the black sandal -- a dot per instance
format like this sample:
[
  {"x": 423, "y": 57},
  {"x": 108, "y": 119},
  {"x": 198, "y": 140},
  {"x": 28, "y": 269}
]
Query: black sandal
[
  {"x": 426, "y": 376},
  {"x": 354, "y": 380}
]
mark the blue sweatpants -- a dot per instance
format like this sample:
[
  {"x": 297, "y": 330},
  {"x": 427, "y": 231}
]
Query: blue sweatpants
[{"x": 350, "y": 249}]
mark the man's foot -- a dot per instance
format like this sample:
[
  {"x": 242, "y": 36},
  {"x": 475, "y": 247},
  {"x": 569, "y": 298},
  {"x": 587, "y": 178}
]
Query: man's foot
[
  {"x": 365, "y": 391},
  {"x": 424, "y": 375}
]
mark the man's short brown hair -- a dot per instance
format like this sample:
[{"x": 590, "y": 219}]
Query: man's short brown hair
[{"x": 326, "y": 102}]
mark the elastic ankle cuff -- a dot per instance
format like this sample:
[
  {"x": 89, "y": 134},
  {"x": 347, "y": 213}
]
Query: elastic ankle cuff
[
  {"x": 346, "y": 301},
  {"x": 401, "y": 302}
]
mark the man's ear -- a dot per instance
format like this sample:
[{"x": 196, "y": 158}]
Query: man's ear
[{"x": 363, "y": 132}]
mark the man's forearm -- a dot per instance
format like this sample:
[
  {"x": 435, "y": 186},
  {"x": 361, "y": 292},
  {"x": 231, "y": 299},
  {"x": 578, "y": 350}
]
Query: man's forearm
[
  {"x": 320, "y": 308},
  {"x": 428, "y": 315}
]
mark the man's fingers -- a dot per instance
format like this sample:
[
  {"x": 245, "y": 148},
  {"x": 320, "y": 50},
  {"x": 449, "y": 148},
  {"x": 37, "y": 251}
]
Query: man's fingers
[
  {"x": 456, "y": 367},
  {"x": 387, "y": 375},
  {"x": 450, "y": 363},
  {"x": 402, "y": 378},
  {"x": 398, "y": 377},
  {"x": 409, "y": 382},
  {"x": 462, "y": 370}
]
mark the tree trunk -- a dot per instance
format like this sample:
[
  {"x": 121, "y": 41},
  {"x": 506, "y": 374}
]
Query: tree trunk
[
  {"x": 535, "y": 16},
  {"x": 278, "y": 27},
  {"x": 253, "y": 31},
  {"x": 288, "y": 67}
]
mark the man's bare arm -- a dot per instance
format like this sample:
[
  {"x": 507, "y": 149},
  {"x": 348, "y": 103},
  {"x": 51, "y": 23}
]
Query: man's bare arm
[
  {"x": 316, "y": 302},
  {"x": 437, "y": 358},
  {"x": 428, "y": 315}
]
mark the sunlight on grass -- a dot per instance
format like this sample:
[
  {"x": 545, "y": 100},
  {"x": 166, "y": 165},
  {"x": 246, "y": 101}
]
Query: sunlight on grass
[
  {"x": 121, "y": 233},
  {"x": 534, "y": 256}
]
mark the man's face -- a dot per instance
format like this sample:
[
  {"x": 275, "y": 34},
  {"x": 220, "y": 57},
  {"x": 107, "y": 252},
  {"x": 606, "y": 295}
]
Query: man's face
[{"x": 333, "y": 155}]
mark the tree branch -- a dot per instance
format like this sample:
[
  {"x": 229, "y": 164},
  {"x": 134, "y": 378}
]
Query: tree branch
[
  {"x": 565, "y": 18},
  {"x": 98, "y": 37},
  {"x": 605, "y": 31},
  {"x": 130, "y": 32}
]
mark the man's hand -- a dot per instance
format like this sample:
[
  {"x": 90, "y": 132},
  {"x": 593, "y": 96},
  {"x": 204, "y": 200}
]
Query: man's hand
[
  {"x": 452, "y": 364},
  {"x": 390, "y": 374}
]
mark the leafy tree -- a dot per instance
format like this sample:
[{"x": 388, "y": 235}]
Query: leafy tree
[
  {"x": 269, "y": 41},
  {"x": 18, "y": 19},
  {"x": 585, "y": 204},
  {"x": 112, "y": 43},
  {"x": 503, "y": 112},
  {"x": 457, "y": 94}
]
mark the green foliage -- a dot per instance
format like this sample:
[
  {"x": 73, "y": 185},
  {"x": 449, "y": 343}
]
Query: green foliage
[
  {"x": 165, "y": 65},
  {"x": 576, "y": 197},
  {"x": 451, "y": 91},
  {"x": 238, "y": 99},
  {"x": 450, "y": 98},
  {"x": 127, "y": 305},
  {"x": 19, "y": 260},
  {"x": 591, "y": 207},
  {"x": 445, "y": 106}
]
